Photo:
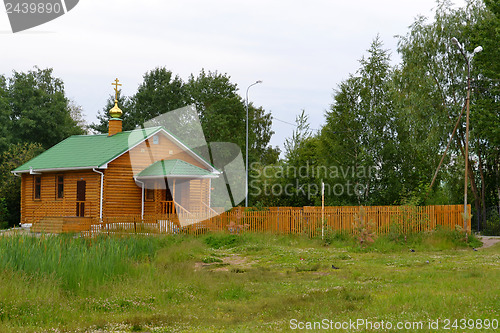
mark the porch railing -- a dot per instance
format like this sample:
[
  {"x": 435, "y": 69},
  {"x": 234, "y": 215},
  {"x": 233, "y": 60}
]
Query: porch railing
[
  {"x": 166, "y": 207},
  {"x": 60, "y": 208}
]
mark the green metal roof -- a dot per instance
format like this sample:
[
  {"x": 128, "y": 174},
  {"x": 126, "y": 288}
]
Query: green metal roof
[
  {"x": 174, "y": 168},
  {"x": 87, "y": 151}
]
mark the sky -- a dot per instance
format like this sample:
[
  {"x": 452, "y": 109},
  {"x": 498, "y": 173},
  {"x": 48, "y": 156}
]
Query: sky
[{"x": 301, "y": 50}]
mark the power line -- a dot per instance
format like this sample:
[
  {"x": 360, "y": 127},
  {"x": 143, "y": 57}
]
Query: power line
[
  {"x": 295, "y": 125},
  {"x": 286, "y": 122},
  {"x": 313, "y": 129}
]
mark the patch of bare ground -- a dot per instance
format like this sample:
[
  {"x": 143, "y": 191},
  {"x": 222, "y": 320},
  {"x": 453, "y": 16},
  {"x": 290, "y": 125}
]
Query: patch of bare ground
[
  {"x": 233, "y": 261},
  {"x": 489, "y": 241}
]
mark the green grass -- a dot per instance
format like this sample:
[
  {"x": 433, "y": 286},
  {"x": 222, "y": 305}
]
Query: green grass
[{"x": 244, "y": 283}]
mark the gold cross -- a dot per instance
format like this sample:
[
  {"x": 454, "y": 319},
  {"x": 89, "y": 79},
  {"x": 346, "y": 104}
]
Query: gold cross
[{"x": 116, "y": 84}]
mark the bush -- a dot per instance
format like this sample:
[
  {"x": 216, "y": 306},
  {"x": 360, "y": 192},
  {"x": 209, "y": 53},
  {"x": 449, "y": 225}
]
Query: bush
[
  {"x": 396, "y": 233},
  {"x": 4, "y": 212},
  {"x": 364, "y": 228},
  {"x": 442, "y": 239},
  {"x": 332, "y": 236},
  {"x": 492, "y": 227},
  {"x": 10, "y": 185},
  {"x": 217, "y": 241}
]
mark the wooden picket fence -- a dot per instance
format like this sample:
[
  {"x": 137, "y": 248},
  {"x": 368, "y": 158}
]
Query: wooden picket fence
[{"x": 310, "y": 221}]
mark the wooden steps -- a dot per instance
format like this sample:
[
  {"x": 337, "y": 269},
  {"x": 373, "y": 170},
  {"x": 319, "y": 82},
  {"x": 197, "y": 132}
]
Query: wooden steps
[{"x": 57, "y": 225}]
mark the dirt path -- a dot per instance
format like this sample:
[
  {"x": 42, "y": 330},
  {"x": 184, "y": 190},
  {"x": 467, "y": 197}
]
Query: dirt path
[{"x": 489, "y": 241}]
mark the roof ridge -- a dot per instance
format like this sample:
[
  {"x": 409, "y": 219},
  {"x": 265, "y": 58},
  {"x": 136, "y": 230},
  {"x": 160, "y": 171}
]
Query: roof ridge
[{"x": 175, "y": 164}]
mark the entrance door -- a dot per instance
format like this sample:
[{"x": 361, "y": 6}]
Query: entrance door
[
  {"x": 168, "y": 199},
  {"x": 81, "y": 187}
]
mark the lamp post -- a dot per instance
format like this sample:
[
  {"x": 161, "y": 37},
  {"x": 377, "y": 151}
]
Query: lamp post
[
  {"x": 246, "y": 145},
  {"x": 467, "y": 60}
]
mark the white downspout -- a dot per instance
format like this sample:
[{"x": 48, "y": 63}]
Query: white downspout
[
  {"x": 101, "y": 196},
  {"x": 142, "y": 199}
]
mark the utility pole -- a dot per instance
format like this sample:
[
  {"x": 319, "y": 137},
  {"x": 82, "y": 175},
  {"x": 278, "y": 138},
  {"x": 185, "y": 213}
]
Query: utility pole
[{"x": 467, "y": 102}]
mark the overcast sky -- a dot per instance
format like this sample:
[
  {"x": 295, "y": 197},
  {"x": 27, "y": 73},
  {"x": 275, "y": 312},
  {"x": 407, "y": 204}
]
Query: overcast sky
[{"x": 301, "y": 50}]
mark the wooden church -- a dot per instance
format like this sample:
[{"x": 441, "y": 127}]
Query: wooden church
[{"x": 143, "y": 172}]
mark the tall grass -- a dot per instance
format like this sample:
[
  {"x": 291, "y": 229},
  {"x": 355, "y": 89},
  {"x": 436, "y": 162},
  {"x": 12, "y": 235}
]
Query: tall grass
[
  {"x": 74, "y": 261},
  {"x": 238, "y": 283},
  {"x": 78, "y": 263}
]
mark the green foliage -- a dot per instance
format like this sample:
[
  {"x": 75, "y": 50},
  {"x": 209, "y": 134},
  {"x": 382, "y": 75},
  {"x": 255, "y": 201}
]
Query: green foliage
[
  {"x": 160, "y": 92},
  {"x": 427, "y": 48},
  {"x": 220, "y": 109},
  {"x": 307, "y": 267},
  {"x": 287, "y": 182},
  {"x": 4, "y": 213},
  {"x": 332, "y": 237},
  {"x": 10, "y": 185},
  {"x": 485, "y": 110},
  {"x": 165, "y": 288},
  {"x": 299, "y": 137},
  {"x": 358, "y": 138},
  {"x": 217, "y": 241},
  {"x": 394, "y": 122},
  {"x": 492, "y": 227},
  {"x": 125, "y": 104},
  {"x": 34, "y": 115},
  {"x": 222, "y": 114},
  {"x": 396, "y": 233},
  {"x": 39, "y": 109},
  {"x": 5, "y": 113},
  {"x": 233, "y": 293},
  {"x": 77, "y": 263}
]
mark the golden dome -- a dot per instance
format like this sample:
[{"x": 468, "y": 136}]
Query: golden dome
[{"x": 115, "y": 111}]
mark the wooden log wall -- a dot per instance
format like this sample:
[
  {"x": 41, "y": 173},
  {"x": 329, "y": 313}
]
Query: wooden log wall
[{"x": 49, "y": 204}]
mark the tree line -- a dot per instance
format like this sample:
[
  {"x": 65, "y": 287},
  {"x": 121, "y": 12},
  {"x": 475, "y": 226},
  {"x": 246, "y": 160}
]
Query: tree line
[
  {"x": 384, "y": 134},
  {"x": 389, "y": 125},
  {"x": 35, "y": 115}
]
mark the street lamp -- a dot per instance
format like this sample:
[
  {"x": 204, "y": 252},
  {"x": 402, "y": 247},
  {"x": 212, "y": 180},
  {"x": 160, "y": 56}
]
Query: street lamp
[
  {"x": 467, "y": 60},
  {"x": 246, "y": 145}
]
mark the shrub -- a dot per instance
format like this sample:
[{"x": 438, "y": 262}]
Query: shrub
[
  {"x": 4, "y": 212},
  {"x": 217, "y": 241},
  {"x": 364, "y": 228},
  {"x": 396, "y": 233},
  {"x": 492, "y": 227},
  {"x": 332, "y": 236}
]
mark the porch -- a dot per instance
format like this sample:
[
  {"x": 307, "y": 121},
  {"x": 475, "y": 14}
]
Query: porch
[
  {"x": 71, "y": 209},
  {"x": 176, "y": 188}
]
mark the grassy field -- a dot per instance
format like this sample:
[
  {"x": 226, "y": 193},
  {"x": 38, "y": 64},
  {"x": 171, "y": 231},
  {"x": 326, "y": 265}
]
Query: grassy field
[{"x": 247, "y": 283}]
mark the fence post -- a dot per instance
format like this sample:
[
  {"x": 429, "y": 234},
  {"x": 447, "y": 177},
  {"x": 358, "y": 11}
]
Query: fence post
[{"x": 322, "y": 210}]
